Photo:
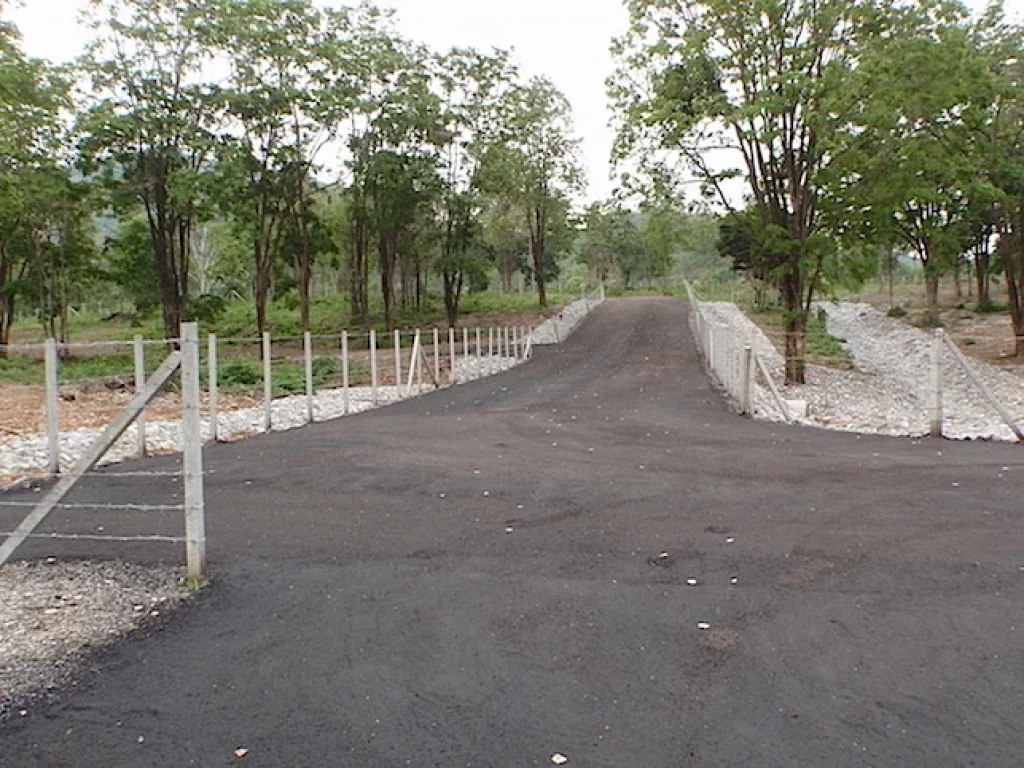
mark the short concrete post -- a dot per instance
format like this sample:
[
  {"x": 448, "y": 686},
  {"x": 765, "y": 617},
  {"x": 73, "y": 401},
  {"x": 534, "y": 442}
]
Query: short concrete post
[
  {"x": 344, "y": 373},
  {"x": 747, "y": 386},
  {"x": 515, "y": 343},
  {"x": 307, "y": 353},
  {"x": 268, "y": 387},
  {"x": 935, "y": 415},
  {"x": 602, "y": 291},
  {"x": 373, "y": 366},
  {"x": 192, "y": 453},
  {"x": 213, "y": 386},
  {"x": 479, "y": 353},
  {"x": 490, "y": 342},
  {"x": 139, "y": 350},
  {"x": 417, "y": 361},
  {"x": 398, "y": 362},
  {"x": 437, "y": 358},
  {"x": 465, "y": 350},
  {"x": 451, "y": 354},
  {"x": 50, "y": 364}
]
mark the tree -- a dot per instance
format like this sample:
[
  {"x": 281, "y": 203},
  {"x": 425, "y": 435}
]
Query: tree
[
  {"x": 535, "y": 165},
  {"x": 148, "y": 127},
  {"x": 704, "y": 84},
  {"x": 907, "y": 160},
  {"x": 35, "y": 189},
  {"x": 471, "y": 87}
]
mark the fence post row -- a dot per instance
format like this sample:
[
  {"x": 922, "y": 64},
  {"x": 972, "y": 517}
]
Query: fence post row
[
  {"x": 307, "y": 353},
  {"x": 140, "y": 382},
  {"x": 192, "y": 453},
  {"x": 52, "y": 408},
  {"x": 213, "y": 385},
  {"x": 268, "y": 389}
]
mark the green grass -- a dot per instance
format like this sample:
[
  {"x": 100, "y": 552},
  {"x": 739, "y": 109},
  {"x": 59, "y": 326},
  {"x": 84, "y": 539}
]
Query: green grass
[
  {"x": 26, "y": 370},
  {"x": 822, "y": 347}
]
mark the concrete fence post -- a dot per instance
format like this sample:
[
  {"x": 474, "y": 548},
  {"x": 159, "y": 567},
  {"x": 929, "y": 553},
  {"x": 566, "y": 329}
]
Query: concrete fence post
[
  {"x": 50, "y": 363},
  {"x": 417, "y": 361},
  {"x": 268, "y": 387},
  {"x": 479, "y": 356},
  {"x": 139, "y": 350},
  {"x": 398, "y": 362},
  {"x": 465, "y": 350},
  {"x": 192, "y": 453},
  {"x": 437, "y": 358},
  {"x": 213, "y": 386},
  {"x": 747, "y": 390},
  {"x": 307, "y": 354},
  {"x": 451, "y": 353},
  {"x": 935, "y": 404},
  {"x": 344, "y": 373},
  {"x": 373, "y": 366}
]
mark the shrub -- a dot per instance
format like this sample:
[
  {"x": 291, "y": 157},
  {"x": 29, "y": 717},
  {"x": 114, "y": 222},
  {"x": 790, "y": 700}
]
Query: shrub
[
  {"x": 989, "y": 307},
  {"x": 896, "y": 311}
]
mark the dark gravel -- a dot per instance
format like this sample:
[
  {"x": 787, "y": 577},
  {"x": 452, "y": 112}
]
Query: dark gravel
[{"x": 369, "y": 607}]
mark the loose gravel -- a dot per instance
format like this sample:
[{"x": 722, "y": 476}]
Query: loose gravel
[
  {"x": 26, "y": 455},
  {"x": 52, "y": 612},
  {"x": 887, "y": 393}
]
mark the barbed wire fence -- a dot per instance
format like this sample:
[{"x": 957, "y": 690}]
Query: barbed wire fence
[
  {"x": 228, "y": 388},
  {"x": 737, "y": 361}
]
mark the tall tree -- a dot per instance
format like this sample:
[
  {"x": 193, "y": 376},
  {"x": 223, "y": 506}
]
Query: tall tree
[
  {"x": 536, "y": 165},
  {"x": 148, "y": 125},
  {"x": 713, "y": 90}
]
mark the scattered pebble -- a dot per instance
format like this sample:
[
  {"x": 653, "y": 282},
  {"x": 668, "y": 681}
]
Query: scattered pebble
[
  {"x": 559, "y": 759},
  {"x": 703, "y": 625}
]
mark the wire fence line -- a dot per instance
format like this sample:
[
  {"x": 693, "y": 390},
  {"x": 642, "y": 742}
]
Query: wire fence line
[
  {"x": 390, "y": 367},
  {"x": 735, "y": 363}
]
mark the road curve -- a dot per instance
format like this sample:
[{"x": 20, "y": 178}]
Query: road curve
[{"x": 495, "y": 573}]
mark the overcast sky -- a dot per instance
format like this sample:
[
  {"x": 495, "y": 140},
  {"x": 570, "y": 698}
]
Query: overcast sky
[{"x": 565, "y": 39}]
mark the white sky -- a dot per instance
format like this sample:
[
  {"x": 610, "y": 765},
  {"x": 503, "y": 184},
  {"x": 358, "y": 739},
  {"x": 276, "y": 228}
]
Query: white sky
[{"x": 567, "y": 40}]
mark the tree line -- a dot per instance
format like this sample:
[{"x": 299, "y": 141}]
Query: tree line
[
  {"x": 246, "y": 141},
  {"x": 853, "y": 127}
]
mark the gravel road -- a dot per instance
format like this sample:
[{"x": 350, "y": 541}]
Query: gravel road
[{"x": 588, "y": 555}]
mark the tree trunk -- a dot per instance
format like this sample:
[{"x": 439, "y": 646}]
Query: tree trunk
[
  {"x": 453, "y": 281},
  {"x": 981, "y": 266},
  {"x": 387, "y": 247},
  {"x": 791, "y": 286},
  {"x": 931, "y": 288},
  {"x": 957, "y": 287},
  {"x": 1011, "y": 251}
]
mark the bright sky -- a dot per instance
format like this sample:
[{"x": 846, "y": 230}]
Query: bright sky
[{"x": 567, "y": 40}]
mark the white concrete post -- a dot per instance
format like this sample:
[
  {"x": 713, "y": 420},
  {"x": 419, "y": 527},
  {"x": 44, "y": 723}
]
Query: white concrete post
[
  {"x": 192, "y": 453},
  {"x": 398, "y": 362},
  {"x": 213, "y": 385},
  {"x": 479, "y": 352},
  {"x": 268, "y": 389},
  {"x": 490, "y": 342},
  {"x": 140, "y": 381},
  {"x": 515, "y": 343},
  {"x": 465, "y": 348},
  {"x": 417, "y": 361},
  {"x": 935, "y": 415},
  {"x": 747, "y": 390},
  {"x": 344, "y": 372},
  {"x": 451, "y": 353},
  {"x": 373, "y": 366},
  {"x": 50, "y": 363},
  {"x": 437, "y": 358},
  {"x": 307, "y": 354}
]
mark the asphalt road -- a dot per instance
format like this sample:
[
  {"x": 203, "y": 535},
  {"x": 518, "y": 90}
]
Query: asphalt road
[{"x": 371, "y": 608}]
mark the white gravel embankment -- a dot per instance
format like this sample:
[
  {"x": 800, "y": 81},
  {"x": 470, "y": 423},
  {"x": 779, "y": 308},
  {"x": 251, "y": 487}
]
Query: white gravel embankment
[
  {"x": 51, "y": 611},
  {"x": 888, "y": 392},
  {"x": 556, "y": 329},
  {"x": 28, "y": 454}
]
